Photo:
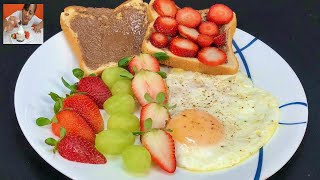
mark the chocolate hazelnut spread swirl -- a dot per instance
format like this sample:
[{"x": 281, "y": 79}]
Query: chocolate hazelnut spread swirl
[{"x": 106, "y": 35}]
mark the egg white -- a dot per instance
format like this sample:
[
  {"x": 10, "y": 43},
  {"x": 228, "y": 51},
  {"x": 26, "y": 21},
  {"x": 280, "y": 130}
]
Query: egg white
[{"x": 249, "y": 115}]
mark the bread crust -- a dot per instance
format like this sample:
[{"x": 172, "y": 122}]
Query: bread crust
[{"x": 193, "y": 64}]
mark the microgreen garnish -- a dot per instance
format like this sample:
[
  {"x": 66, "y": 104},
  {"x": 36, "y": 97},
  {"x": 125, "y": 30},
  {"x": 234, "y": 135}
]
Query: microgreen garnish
[
  {"x": 92, "y": 74},
  {"x": 126, "y": 74},
  {"x": 148, "y": 98},
  {"x": 135, "y": 70},
  {"x": 123, "y": 62},
  {"x": 42, "y": 121},
  {"x": 160, "y": 97},
  {"x": 162, "y": 74},
  {"x": 53, "y": 142},
  {"x": 78, "y": 73},
  {"x": 72, "y": 87},
  {"x": 54, "y": 96},
  {"x": 161, "y": 56}
]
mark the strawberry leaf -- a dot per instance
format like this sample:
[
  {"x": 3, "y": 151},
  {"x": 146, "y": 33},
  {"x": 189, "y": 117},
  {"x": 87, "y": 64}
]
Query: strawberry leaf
[
  {"x": 42, "y": 121},
  {"x": 51, "y": 142},
  {"x": 92, "y": 74},
  {"x": 126, "y": 75},
  {"x": 123, "y": 62},
  {"x": 78, "y": 73},
  {"x": 161, "y": 56},
  {"x": 148, "y": 98},
  {"x": 54, "y": 96},
  {"x": 160, "y": 97},
  {"x": 148, "y": 124},
  {"x": 162, "y": 74},
  {"x": 169, "y": 130}
]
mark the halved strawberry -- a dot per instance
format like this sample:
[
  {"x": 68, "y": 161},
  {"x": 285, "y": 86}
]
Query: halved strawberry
[
  {"x": 14, "y": 36},
  {"x": 220, "y": 40},
  {"x": 204, "y": 40},
  {"x": 220, "y": 14},
  {"x": 209, "y": 28},
  {"x": 147, "y": 82},
  {"x": 165, "y": 7},
  {"x": 158, "y": 113},
  {"x": 144, "y": 61},
  {"x": 27, "y": 34},
  {"x": 183, "y": 47},
  {"x": 188, "y": 17},
  {"x": 161, "y": 148},
  {"x": 166, "y": 25},
  {"x": 159, "y": 40},
  {"x": 189, "y": 33},
  {"x": 212, "y": 56}
]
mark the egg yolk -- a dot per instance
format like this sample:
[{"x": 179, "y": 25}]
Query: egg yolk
[{"x": 195, "y": 127}]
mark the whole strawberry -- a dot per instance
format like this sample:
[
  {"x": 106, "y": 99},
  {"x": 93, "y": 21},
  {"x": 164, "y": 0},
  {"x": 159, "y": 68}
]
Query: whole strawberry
[
  {"x": 92, "y": 86},
  {"x": 76, "y": 148}
]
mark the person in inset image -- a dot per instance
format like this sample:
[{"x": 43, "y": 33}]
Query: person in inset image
[{"x": 25, "y": 17}]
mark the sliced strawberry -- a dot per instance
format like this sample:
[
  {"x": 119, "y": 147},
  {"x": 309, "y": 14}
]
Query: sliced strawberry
[
  {"x": 165, "y": 7},
  {"x": 76, "y": 148},
  {"x": 14, "y": 36},
  {"x": 144, "y": 61},
  {"x": 159, "y": 40},
  {"x": 209, "y": 28},
  {"x": 212, "y": 56},
  {"x": 161, "y": 148},
  {"x": 95, "y": 88},
  {"x": 220, "y": 40},
  {"x": 220, "y": 14},
  {"x": 188, "y": 17},
  {"x": 27, "y": 34},
  {"x": 204, "y": 40},
  {"x": 183, "y": 47},
  {"x": 147, "y": 82},
  {"x": 87, "y": 108},
  {"x": 157, "y": 113},
  {"x": 189, "y": 33},
  {"x": 74, "y": 124},
  {"x": 166, "y": 25}
]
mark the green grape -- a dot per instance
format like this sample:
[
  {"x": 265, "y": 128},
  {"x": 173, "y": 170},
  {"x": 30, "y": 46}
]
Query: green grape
[
  {"x": 121, "y": 103},
  {"x": 122, "y": 87},
  {"x": 111, "y": 75},
  {"x": 113, "y": 141},
  {"x": 136, "y": 158},
  {"x": 124, "y": 121}
]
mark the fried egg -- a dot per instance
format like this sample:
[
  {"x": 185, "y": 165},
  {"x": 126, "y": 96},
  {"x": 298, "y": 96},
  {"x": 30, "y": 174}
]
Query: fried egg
[{"x": 219, "y": 121}]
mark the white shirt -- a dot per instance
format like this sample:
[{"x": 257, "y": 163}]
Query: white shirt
[{"x": 33, "y": 21}]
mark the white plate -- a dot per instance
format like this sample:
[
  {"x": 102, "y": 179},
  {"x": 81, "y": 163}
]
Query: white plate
[{"x": 43, "y": 71}]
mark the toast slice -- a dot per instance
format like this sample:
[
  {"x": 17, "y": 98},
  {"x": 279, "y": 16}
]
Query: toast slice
[
  {"x": 99, "y": 37},
  {"x": 193, "y": 64}
]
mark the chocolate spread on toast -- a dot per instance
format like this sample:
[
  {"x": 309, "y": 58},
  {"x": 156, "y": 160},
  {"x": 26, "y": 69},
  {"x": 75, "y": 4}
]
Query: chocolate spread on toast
[{"x": 106, "y": 35}]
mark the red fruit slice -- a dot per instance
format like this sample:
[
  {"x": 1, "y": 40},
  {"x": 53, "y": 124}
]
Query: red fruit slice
[
  {"x": 165, "y": 7},
  {"x": 157, "y": 113},
  {"x": 209, "y": 28},
  {"x": 147, "y": 82},
  {"x": 220, "y": 40},
  {"x": 166, "y": 25},
  {"x": 144, "y": 61},
  {"x": 204, "y": 40},
  {"x": 161, "y": 148},
  {"x": 188, "y": 17},
  {"x": 212, "y": 56},
  {"x": 87, "y": 108},
  {"x": 159, "y": 40},
  {"x": 76, "y": 148},
  {"x": 27, "y": 34},
  {"x": 189, "y": 33},
  {"x": 220, "y": 14},
  {"x": 183, "y": 47},
  {"x": 74, "y": 125},
  {"x": 95, "y": 89}
]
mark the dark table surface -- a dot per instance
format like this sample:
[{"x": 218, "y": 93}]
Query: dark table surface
[{"x": 291, "y": 27}]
